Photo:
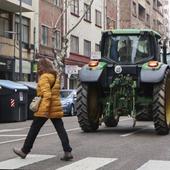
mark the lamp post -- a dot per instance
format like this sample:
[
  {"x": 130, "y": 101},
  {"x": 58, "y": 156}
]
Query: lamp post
[{"x": 20, "y": 42}]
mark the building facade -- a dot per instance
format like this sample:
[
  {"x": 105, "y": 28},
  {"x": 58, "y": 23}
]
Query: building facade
[
  {"x": 141, "y": 14},
  {"x": 50, "y": 27},
  {"x": 85, "y": 38},
  {"x": 10, "y": 37}
]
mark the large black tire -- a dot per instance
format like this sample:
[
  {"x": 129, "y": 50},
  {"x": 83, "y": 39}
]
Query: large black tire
[
  {"x": 88, "y": 106},
  {"x": 111, "y": 121},
  {"x": 161, "y": 105}
]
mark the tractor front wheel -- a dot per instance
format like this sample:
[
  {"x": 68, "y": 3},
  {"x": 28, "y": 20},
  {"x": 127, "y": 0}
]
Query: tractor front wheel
[{"x": 88, "y": 106}]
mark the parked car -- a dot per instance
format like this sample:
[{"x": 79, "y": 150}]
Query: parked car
[{"x": 68, "y": 100}]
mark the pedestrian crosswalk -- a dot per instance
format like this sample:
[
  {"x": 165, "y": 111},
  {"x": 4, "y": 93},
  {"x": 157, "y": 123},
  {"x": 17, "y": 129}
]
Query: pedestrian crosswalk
[
  {"x": 89, "y": 163},
  {"x": 18, "y": 162},
  {"x": 155, "y": 165}
]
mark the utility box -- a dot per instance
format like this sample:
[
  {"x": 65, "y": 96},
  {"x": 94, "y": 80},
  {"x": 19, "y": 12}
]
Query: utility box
[
  {"x": 31, "y": 94},
  {"x": 13, "y": 101}
]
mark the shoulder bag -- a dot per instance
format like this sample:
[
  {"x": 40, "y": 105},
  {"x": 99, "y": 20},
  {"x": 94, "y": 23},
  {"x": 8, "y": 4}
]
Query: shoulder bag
[{"x": 34, "y": 105}]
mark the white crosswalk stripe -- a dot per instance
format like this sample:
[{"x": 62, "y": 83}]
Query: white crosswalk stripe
[
  {"x": 90, "y": 163},
  {"x": 155, "y": 165},
  {"x": 18, "y": 162}
]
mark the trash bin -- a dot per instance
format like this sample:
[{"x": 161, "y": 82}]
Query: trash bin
[
  {"x": 13, "y": 101},
  {"x": 31, "y": 94}
]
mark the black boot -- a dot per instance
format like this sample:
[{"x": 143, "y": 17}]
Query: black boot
[
  {"x": 67, "y": 156},
  {"x": 20, "y": 153}
]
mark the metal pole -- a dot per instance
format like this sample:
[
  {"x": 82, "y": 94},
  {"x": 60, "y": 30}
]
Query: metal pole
[{"x": 20, "y": 42}]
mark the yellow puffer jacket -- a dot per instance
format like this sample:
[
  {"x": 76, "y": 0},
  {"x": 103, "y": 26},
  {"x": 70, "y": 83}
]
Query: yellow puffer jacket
[{"x": 48, "y": 88}]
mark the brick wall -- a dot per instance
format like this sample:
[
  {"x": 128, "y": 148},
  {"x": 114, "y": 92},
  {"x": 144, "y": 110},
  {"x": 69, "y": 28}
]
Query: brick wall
[{"x": 49, "y": 13}]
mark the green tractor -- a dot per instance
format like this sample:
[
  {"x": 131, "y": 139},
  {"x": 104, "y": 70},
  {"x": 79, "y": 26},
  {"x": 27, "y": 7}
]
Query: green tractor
[{"x": 129, "y": 79}]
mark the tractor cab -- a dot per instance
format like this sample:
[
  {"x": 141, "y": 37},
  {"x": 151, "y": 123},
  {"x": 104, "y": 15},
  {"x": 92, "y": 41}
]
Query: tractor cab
[{"x": 130, "y": 46}]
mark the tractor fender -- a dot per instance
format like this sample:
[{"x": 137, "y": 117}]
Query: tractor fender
[
  {"x": 153, "y": 75},
  {"x": 89, "y": 75}
]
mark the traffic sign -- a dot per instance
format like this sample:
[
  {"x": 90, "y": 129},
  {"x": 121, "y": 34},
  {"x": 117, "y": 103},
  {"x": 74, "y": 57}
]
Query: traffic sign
[{"x": 71, "y": 69}]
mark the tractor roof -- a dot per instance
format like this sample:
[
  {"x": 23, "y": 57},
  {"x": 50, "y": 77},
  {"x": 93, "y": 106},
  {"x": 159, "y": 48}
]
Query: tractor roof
[{"x": 133, "y": 31}]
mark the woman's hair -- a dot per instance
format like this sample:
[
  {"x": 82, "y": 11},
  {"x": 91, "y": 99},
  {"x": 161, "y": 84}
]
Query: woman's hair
[{"x": 46, "y": 66}]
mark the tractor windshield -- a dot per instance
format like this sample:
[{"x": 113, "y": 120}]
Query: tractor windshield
[{"x": 127, "y": 49}]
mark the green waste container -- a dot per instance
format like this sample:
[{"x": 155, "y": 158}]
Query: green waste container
[{"x": 13, "y": 101}]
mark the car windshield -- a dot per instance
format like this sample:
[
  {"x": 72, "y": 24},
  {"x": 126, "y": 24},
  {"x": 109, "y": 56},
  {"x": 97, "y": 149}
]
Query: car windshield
[
  {"x": 65, "y": 94},
  {"x": 127, "y": 49}
]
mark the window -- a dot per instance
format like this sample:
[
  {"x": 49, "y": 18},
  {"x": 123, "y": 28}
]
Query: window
[
  {"x": 25, "y": 28},
  {"x": 98, "y": 19},
  {"x": 74, "y": 47},
  {"x": 148, "y": 19},
  {"x": 87, "y": 16},
  {"x": 87, "y": 48},
  {"x": 154, "y": 23},
  {"x": 75, "y": 7},
  {"x": 4, "y": 23},
  {"x": 44, "y": 35},
  {"x": 134, "y": 10},
  {"x": 155, "y": 4},
  {"x": 57, "y": 40},
  {"x": 57, "y": 2},
  {"x": 97, "y": 47},
  {"x": 141, "y": 13}
]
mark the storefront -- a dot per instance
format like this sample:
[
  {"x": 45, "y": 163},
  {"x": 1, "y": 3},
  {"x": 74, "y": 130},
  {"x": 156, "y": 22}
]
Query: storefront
[{"x": 6, "y": 68}]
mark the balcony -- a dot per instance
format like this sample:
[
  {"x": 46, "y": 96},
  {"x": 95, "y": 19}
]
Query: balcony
[{"x": 14, "y": 5}]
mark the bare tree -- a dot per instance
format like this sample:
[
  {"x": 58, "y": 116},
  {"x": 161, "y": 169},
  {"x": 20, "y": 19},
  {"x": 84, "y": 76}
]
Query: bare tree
[{"x": 60, "y": 57}]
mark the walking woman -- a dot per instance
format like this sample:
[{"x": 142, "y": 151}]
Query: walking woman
[{"x": 48, "y": 88}]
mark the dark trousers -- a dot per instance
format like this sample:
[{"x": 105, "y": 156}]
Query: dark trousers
[{"x": 37, "y": 123}]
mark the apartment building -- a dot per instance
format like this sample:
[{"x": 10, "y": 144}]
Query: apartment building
[
  {"x": 141, "y": 14},
  {"x": 50, "y": 27},
  {"x": 85, "y": 38},
  {"x": 10, "y": 38},
  {"x": 166, "y": 22}
]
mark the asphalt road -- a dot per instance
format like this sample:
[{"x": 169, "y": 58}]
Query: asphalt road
[{"x": 120, "y": 148}]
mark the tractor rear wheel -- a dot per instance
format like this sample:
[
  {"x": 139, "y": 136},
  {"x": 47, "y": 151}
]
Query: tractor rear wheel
[
  {"x": 161, "y": 105},
  {"x": 88, "y": 106}
]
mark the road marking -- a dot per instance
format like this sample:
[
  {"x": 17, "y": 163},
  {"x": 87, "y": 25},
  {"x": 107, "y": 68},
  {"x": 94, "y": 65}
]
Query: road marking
[
  {"x": 11, "y": 130},
  {"x": 136, "y": 131},
  {"x": 19, "y": 129},
  {"x": 20, "y": 135},
  {"x": 48, "y": 134},
  {"x": 18, "y": 162},
  {"x": 90, "y": 163},
  {"x": 155, "y": 165}
]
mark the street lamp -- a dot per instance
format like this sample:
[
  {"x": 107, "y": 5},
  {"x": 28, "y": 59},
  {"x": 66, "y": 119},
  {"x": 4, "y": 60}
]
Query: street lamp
[{"x": 20, "y": 42}]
